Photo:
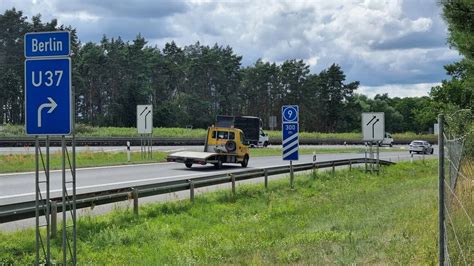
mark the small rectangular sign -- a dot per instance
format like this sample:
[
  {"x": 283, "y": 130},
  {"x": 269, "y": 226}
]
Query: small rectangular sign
[
  {"x": 47, "y": 44},
  {"x": 436, "y": 129},
  {"x": 373, "y": 126},
  {"x": 48, "y": 96},
  {"x": 145, "y": 119}
]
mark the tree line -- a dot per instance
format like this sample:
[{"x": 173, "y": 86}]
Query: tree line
[{"x": 190, "y": 85}]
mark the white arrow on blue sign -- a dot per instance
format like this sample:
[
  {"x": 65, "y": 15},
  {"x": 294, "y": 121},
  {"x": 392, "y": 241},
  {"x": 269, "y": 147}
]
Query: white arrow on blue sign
[
  {"x": 48, "y": 96},
  {"x": 290, "y": 130}
]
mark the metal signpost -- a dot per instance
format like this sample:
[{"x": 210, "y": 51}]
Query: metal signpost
[
  {"x": 49, "y": 110},
  {"x": 290, "y": 129},
  {"x": 373, "y": 131},
  {"x": 145, "y": 129}
]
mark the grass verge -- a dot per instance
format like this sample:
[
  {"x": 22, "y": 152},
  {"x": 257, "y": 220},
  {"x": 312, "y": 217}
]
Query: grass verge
[
  {"x": 88, "y": 131},
  {"x": 348, "y": 218},
  {"x": 26, "y": 162}
]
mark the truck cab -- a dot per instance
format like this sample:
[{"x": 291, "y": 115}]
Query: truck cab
[
  {"x": 222, "y": 145},
  {"x": 263, "y": 139},
  {"x": 387, "y": 140}
]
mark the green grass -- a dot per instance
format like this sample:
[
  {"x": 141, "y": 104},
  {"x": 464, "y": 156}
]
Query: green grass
[
  {"x": 351, "y": 218},
  {"x": 88, "y": 131},
  {"x": 26, "y": 162}
]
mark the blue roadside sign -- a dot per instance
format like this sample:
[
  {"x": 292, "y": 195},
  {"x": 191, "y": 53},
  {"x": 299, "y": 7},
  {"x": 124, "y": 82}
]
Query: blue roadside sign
[
  {"x": 47, "y": 44},
  {"x": 48, "y": 96},
  {"x": 290, "y": 130}
]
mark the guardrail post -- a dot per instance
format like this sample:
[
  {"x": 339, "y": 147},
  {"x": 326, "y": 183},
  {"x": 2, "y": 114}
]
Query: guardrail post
[
  {"x": 135, "y": 201},
  {"x": 54, "y": 219},
  {"x": 232, "y": 177},
  {"x": 333, "y": 169},
  {"x": 265, "y": 173},
  {"x": 191, "y": 190},
  {"x": 314, "y": 165},
  {"x": 350, "y": 165}
]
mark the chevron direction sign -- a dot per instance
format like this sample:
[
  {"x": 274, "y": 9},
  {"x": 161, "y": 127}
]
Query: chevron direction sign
[{"x": 290, "y": 129}]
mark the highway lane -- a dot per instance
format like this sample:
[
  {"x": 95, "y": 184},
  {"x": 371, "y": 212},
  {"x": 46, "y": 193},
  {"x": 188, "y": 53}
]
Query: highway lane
[
  {"x": 175, "y": 148},
  {"x": 31, "y": 150},
  {"x": 20, "y": 186}
]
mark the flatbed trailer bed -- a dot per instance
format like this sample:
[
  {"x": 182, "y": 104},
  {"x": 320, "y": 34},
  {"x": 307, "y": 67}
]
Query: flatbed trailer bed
[
  {"x": 195, "y": 157},
  {"x": 223, "y": 145}
]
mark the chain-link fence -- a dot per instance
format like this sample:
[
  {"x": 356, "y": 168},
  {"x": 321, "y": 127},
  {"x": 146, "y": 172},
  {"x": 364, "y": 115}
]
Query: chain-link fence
[{"x": 456, "y": 188}]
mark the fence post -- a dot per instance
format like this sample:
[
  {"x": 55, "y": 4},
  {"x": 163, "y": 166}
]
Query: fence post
[
  {"x": 265, "y": 173},
  {"x": 232, "y": 177},
  {"x": 191, "y": 190},
  {"x": 135, "y": 201},
  {"x": 441, "y": 189},
  {"x": 54, "y": 219}
]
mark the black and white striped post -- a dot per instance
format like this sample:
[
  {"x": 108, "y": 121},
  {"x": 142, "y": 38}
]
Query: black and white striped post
[{"x": 128, "y": 151}]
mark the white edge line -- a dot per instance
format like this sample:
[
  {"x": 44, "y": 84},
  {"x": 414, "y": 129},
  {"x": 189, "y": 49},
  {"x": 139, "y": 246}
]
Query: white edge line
[{"x": 92, "y": 168}]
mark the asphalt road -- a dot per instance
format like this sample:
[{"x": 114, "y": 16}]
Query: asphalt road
[
  {"x": 31, "y": 150},
  {"x": 19, "y": 187}
]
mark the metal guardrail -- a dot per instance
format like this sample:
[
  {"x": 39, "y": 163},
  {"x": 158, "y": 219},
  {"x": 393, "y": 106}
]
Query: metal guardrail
[{"x": 24, "y": 210}]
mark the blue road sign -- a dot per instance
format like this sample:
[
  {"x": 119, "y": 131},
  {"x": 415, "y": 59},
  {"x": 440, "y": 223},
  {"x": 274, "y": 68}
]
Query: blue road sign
[
  {"x": 290, "y": 129},
  {"x": 290, "y": 113},
  {"x": 43, "y": 44},
  {"x": 48, "y": 96}
]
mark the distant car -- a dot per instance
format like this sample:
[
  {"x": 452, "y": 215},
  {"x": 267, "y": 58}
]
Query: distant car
[
  {"x": 387, "y": 140},
  {"x": 421, "y": 146}
]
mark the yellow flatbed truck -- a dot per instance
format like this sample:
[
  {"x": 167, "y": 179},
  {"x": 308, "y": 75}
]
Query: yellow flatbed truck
[{"x": 223, "y": 145}]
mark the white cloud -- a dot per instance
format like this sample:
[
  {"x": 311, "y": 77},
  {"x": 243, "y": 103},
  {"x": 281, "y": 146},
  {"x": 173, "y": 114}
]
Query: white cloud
[
  {"x": 375, "y": 41},
  {"x": 398, "y": 90}
]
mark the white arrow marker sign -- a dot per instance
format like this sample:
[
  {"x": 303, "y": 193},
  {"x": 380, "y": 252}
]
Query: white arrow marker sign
[
  {"x": 145, "y": 119},
  {"x": 52, "y": 105}
]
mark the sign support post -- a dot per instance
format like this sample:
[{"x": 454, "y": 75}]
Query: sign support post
[
  {"x": 49, "y": 110},
  {"x": 290, "y": 131},
  {"x": 145, "y": 129}
]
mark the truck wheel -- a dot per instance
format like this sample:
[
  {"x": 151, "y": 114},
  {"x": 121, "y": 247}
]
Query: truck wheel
[
  {"x": 391, "y": 145},
  {"x": 265, "y": 144},
  {"x": 432, "y": 150},
  {"x": 188, "y": 165},
  {"x": 245, "y": 162}
]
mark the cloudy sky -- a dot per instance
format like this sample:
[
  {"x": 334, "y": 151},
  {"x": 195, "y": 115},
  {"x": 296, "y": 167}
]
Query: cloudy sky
[{"x": 391, "y": 46}]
